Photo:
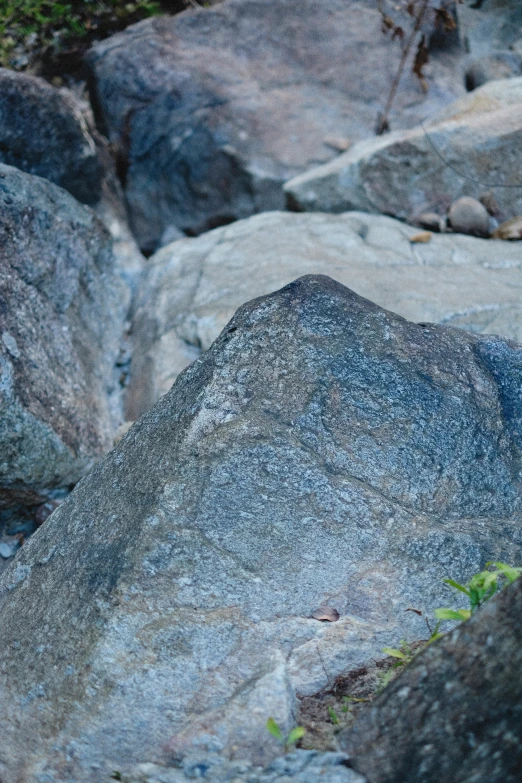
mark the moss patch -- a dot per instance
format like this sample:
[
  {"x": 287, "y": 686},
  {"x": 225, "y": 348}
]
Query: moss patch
[{"x": 46, "y": 36}]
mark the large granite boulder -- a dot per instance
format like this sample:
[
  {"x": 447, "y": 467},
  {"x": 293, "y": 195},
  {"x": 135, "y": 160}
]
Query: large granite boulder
[
  {"x": 213, "y": 109},
  {"x": 192, "y": 288},
  {"x": 51, "y": 133},
  {"x": 323, "y": 451},
  {"x": 62, "y": 313},
  {"x": 43, "y": 132},
  {"x": 469, "y": 149},
  {"x": 455, "y": 714}
]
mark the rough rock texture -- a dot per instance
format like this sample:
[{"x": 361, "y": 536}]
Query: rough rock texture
[
  {"x": 471, "y": 148},
  {"x": 192, "y": 288},
  {"x": 303, "y": 766},
  {"x": 456, "y": 712},
  {"x": 490, "y": 25},
  {"x": 322, "y": 452},
  {"x": 51, "y": 133},
  {"x": 62, "y": 310},
  {"x": 499, "y": 65},
  {"x": 43, "y": 132},
  {"x": 213, "y": 109}
]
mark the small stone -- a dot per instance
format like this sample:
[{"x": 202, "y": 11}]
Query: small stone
[
  {"x": 468, "y": 216},
  {"x": 8, "y": 550},
  {"x": 43, "y": 511},
  {"x": 429, "y": 220}
]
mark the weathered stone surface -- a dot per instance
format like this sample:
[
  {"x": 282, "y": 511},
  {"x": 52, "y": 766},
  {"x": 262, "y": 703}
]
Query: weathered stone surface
[
  {"x": 43, "y": 132},
  {"x": 497, "y": 65},
  {"x": 322, "y": 452},
  {"x": 489, "y": 25},
  {"x": 302, "y": 766},
  {"x": 473, "y": 147},
  {"x": 51, "y": 133},
  {"x": 213, "y": 109},
  {"x": 62, "y": 310},
  {"x": 192, "y": 288},
  {"x": 456, "y": 712}
]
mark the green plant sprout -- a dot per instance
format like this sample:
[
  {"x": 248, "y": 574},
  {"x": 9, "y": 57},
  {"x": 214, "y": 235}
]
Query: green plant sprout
[
  {"x": 480, "y": 588},
  {"x": 293, "y": 736},
  {"x": 333, "y": 715}
]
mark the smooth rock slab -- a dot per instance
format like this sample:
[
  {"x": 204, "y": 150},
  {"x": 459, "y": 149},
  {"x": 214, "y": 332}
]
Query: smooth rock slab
[
  {"x": 456, "y": 712},
  {"x": 322, "y": 452},
  {"x": 469, "y": 149},
  {"x": 212, "y": 110},
  {"x": 192, "y": 288},
  {"x": 62, "y": 314}
]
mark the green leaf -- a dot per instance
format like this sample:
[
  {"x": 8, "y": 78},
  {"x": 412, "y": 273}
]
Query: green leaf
[
  {"x": 296, "y": 735},
  {"x": 395, "y": 653},
  {"x": 274, "y": 729},
  {"x": 510, "y": 572},
  {"x": 457, "y": 586},
  {"x": 451, "y": 614},
  {"x": 333, "y": 715}
]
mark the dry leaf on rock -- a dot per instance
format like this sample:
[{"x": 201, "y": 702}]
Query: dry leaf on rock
[
  {"x": 511, "y": 229},
  {"x": 423, "y": 236},
  {"x": 326, "y": 614}
]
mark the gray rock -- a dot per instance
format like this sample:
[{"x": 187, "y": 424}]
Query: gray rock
[
  {"x": 430, "y": 221},
  {"x": 456, "y": 712},
  {"x": 51, "y": 133},
  {"x": 192, "y": 288},
  {"x": 322, "y": 452},
  {"x": 472, "y": 147},
  {"x": 468, "y": 216},
  {"x": 43, "y": 132},
  {"x": 61, "y": 319},
  {"x": 489, "y": 25},
  {"x": 302, "y": 766},
  {"x": 497, "y": 65},
  {"x": 209, "y": 124}
]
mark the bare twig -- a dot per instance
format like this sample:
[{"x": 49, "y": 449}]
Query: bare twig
[
  {"x": 383, "y": 123},
  {"x": 418, "y": 11}
]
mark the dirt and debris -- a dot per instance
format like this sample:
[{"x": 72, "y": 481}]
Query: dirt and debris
[{"x": 334, "y": 709}]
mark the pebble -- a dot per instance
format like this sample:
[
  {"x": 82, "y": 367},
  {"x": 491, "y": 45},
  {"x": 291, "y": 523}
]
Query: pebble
[
  {"x": 430, "y": 221},
  {"x": 8, "y": 550},
  {"x": 469, "y": 216}
]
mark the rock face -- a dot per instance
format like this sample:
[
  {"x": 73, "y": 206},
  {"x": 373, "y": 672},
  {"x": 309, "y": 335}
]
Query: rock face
[
  {"x": 490, "y": 26},
  {"x": 456, "y": 712},
  {"x": 322, "y": 452},
  {"x": 470, "y": 149},
  {"x": 302, "y": 766},
  {"x": 218, "y": 107},
  {"x": 192, "y": 288},
  {"x": 62, "y": 310},
  {"x": 43, "y": 132},
  {"x": 50, "y": 133}
]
